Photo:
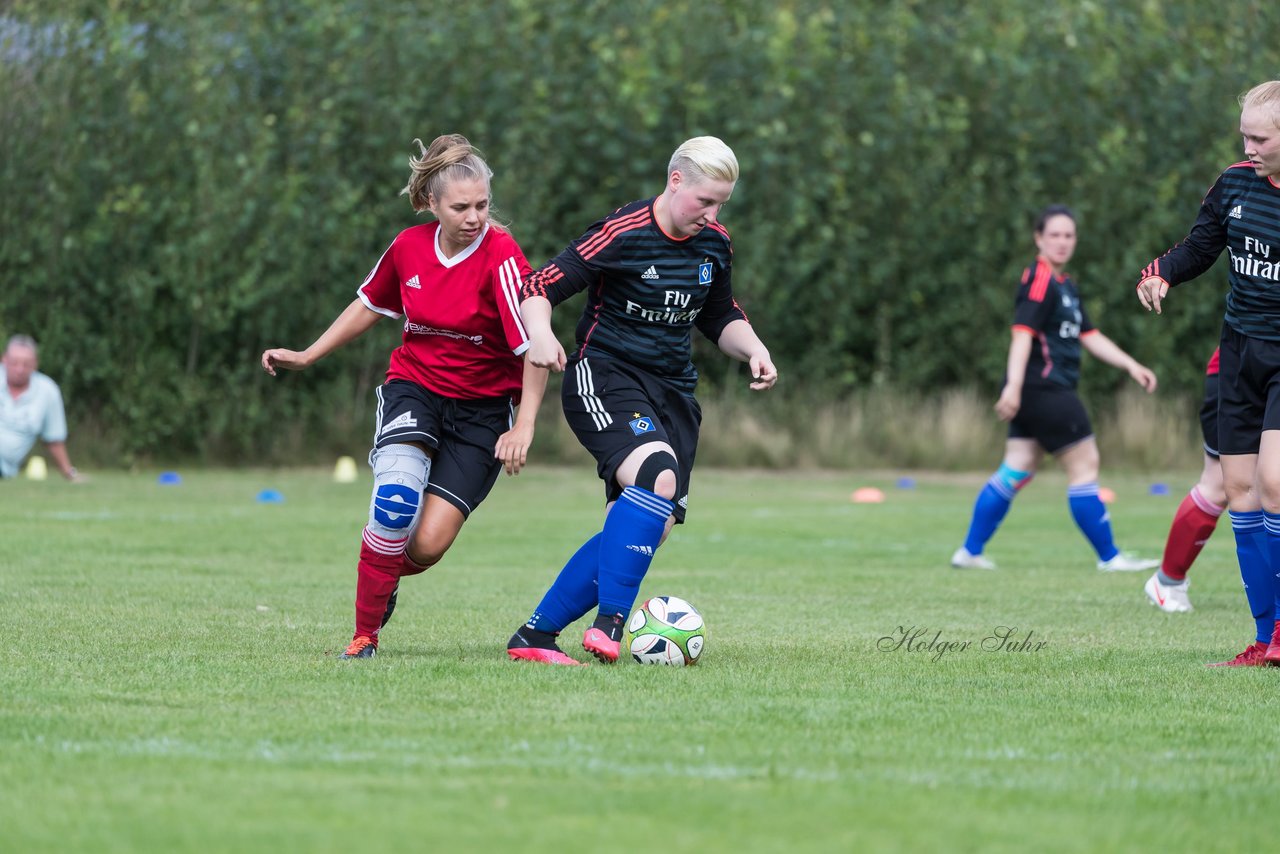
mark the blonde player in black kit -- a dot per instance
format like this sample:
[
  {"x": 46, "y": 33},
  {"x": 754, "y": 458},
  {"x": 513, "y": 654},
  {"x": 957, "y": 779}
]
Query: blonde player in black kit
[
  {"x": 653, "y": 270},
  {"x": 1241, "y": 214}
]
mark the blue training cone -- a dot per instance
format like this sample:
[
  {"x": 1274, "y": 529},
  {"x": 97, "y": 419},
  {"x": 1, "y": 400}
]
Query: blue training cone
[
  {"x": 169, "y": 478},
  {"x": 270, "y": 496},
  {"x": 1159, "y": 489}
]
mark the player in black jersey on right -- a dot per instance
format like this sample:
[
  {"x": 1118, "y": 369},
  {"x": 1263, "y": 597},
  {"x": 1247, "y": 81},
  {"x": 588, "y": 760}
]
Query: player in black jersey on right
[
  {"x": 1241, "y": 214},
  {"x": 1040, "y": 403},
  {"x": 653, "y": 270}
]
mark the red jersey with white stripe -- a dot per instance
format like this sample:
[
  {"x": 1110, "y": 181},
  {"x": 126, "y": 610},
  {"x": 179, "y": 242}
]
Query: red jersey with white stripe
[{"x": 463, "y": 336}]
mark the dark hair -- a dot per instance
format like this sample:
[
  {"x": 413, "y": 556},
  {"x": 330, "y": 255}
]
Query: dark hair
[{"x": 1049, "y": 213}]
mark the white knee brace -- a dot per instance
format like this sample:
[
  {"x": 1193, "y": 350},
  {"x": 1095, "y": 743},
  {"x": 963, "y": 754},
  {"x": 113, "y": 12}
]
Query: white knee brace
[{"x": 400, "y": 474}]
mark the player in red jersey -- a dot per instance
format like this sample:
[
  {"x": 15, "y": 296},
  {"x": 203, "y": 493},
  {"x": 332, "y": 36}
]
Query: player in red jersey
[
  {"x": 1197, "y": 516},
  {"x": 444, "y": 423}
]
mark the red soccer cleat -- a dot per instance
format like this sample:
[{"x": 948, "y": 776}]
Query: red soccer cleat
[
  {"x": 1253, "y": 656},
  {"x": 1273, "y": 651}
]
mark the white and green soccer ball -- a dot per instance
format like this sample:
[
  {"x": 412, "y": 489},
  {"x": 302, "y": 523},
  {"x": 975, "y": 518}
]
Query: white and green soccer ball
[{"x": 665, "y": 630}]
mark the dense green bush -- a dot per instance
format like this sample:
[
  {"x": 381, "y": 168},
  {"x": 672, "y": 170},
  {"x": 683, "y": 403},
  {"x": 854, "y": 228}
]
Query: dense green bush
[{"x": 187, "y": 183}]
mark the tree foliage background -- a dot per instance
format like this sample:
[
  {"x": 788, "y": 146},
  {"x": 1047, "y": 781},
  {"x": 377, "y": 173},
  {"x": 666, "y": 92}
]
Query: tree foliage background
[{"x": 187, "y": 183}]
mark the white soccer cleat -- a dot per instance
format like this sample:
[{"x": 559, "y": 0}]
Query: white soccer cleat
[
  {"x": 1168, "y": 597},
  {"x": 1124, "y": 562},
  {"x": 963, "y": 560}
]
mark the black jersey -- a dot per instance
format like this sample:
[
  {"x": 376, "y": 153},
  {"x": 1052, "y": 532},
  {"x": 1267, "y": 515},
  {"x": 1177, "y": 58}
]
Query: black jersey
[
  {"x": 1048, "y": 306},
  {"x": 1240, "y": 213},
  {"x": 645, "y": 290}
]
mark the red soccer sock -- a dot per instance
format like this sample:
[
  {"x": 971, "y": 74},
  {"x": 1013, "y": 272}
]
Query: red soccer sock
[
  {"x": 1192, "y": 526},
  {"x": 409, "y": 566},
  {"x": 376, "y": 576}
]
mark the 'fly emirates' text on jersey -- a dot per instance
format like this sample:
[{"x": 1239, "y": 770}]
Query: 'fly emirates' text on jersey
[
  {"x": 1048, "y": 306},
  {"x": 463, "y": 335},
  {"x": 646, "y": 290},
  {"x": 1240, "y": 213}
]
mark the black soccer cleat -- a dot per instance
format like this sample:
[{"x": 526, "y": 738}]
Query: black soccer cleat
[
  {"x": 391, "y": 604},
  {"x": 361, "y": 647}
]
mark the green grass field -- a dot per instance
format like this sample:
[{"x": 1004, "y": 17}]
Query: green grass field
[{"x": 172, "y": 683}]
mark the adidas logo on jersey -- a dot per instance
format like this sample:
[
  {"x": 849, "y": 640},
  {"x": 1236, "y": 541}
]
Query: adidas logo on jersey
[
  {"x": 1237, "y": 212},
  {"x": 650, "y": 273},
  {"x": 413, "y": 283},
  {"x": 405, "y": 419},
  {"x": 644, "y": 550}
]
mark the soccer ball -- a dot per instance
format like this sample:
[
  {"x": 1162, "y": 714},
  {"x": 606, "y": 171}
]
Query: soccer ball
[{"x": 665, "y": 630}]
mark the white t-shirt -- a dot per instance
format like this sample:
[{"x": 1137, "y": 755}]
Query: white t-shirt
[{"x": 37, "y": 413}]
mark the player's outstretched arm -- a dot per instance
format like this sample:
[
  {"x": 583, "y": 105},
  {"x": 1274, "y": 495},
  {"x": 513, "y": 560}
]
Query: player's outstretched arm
[
  {"x": 355, "y": 320},
  {"x": 513, "y": 446},
  {"x": 544, "y": 349},
  {"x": 1151, "y": 291},
  {"x": 1103, "y": 348},
  {"x": 739, "y": 341}
]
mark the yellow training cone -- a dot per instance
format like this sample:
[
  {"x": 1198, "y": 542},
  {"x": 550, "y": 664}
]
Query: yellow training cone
[
  {"x": 345, "y": 470},
  {"x": 36, "y": 469}
]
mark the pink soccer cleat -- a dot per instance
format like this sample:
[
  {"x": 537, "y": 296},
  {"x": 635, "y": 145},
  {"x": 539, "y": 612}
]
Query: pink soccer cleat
[
  {"x": 530, "y": 645},
  {"x": 604, "y": 638}
]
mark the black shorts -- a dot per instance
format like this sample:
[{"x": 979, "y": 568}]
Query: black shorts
[
  {"x": 1209, "y": 415},
  {"x": 614, "y": 408},
  {"x": 1248, "y": 391},
  {"x": 460, "y": 436},
  {"x": 1052, "y": 415}
]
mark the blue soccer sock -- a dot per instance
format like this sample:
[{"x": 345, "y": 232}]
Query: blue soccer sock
[
  {"x": 1271, "y": 522},
  {"x": 988, "y": 512},
  {"x": 991, "y": 506},
  {"x": 573, "y": 593},
  {"x": 1254, "y": 553},
  {"x": 632, "y": 531},
  {"x": 1092, "y": 518}
]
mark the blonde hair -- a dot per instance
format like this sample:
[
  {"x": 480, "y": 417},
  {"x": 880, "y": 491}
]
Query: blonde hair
[
  {"x": 1264, "y": 95},
  {"x": 705, "y": 157},
  {"x": 449, "y": 157}
]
